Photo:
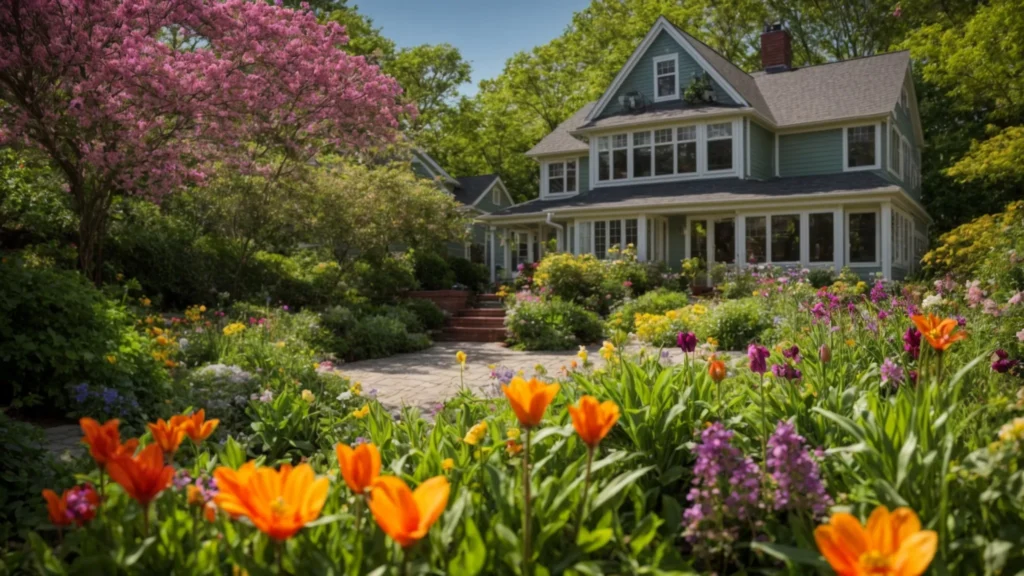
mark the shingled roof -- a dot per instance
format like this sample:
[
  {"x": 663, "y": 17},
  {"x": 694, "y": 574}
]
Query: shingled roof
[
  {"x": 638, "y": 196},
  {"x": 861, "y": 87},
  {"x": 471, "y": 187}
]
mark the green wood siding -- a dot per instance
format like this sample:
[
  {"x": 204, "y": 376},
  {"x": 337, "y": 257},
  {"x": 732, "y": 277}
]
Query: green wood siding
[
  {"x": 583, "y": 174},
  {"x": 488, "y": 205},
  {"x": 641, "y": 78},
  {"x": 810, "y": 153},
  {"x": 762, "y": 152}
]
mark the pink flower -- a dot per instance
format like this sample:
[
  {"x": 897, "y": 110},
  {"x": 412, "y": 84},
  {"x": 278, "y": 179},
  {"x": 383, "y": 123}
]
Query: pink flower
[
  {"x": 1020, "y": 335},
  {"x": 1015, "y": 299},
  {"x": 974, "y": 293},
  {"x": 991, "y": 308}
]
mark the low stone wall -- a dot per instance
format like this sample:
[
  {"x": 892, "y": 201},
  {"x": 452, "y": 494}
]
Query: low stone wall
[{"x": 450, "y": 301}]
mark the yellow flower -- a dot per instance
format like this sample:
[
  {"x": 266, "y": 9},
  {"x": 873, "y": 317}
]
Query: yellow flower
[
  {"x": 309, "y": 397},
  {"x": 850, "y": 342},
  {"x": 513, "y": 433},
  {"x": 607, "y": 350},
  {"x": 202, "y": 308},
  {"x": 755, "y": 293},
  {"x": 362, "y": 412},
  {"x": 700, "y": 309},
  {"x": 460, "y": 357},
  {"x": 447, "y": 464},
  {"x": 356, "y": 389},
  {"x": 713, "y": 341},
  {"x": 279, "y": 344},
  {"x": 146, "y": 302},
  {"x": 162, "y": 340},
  {"x": 111, "y": 358},
  {"x": 233, "y": 328},
  {"x": 1012, "y": 431},
  {"x": 582, "y": 354},
  {"x": 476, "y": 433}
]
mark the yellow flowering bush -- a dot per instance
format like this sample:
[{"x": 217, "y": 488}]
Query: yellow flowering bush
[
  {"x": 233, "y": 328},
  {"x": 990, "y": 246},
  {"x": 661, "y": 329}
]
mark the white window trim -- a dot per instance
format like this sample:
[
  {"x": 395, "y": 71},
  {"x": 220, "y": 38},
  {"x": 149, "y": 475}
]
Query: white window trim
[
  {"x": 667, "y": 57},
  {"x": 707, "y": 139},
  {"x": 496, "y": 196},
  {"x": 702, "y": 140},
  {"x": 904, "y": 158},
  {"x": 897, "y": 170},
  {"x": 878, "y": 238},
  {"x": 905, "y": 99},
  {"x": 878, "y": 148},
  {"x": 546, "y": 179},
  {"x": 801, "y": 215}
]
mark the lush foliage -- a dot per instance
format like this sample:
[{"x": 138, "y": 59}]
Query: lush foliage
[
  {"x": 991, "y": 247},
  {"x": 551, "y": 324},
  {"x": 655, "y": 302}
]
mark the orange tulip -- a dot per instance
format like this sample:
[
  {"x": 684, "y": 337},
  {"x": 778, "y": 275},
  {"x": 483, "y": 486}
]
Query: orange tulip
[
  {"x": 77, "y": 505},
  {"x": 57, "y": 507},
  {"x": 530, "y": 399},
  {"x": 716, "y": 369},
  {"x": 941, "y": 334},
  {"x": 359, "y": 467},
  {"x": 104, "y": 440},
  {"x": 168, "y": 435},
  {"x": 144, "y": 476},
  {"x": 407, "y": 515},
  {"x": 891, "y": 544},
  {"x": 592, "y": 420},
  {"x": 278, "y": 502},
  {"x": 197, "y": 427}
]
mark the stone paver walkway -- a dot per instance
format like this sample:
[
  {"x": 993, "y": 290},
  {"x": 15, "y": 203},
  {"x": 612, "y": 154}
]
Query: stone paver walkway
[{"x": 429, "y": 376}]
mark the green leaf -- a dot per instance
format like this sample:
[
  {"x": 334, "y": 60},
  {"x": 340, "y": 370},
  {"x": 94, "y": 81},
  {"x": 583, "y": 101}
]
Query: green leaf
[
  {"x": 789, "y": 554},
  {"x": 903, "y": 461},
  {"x": 593, "y": 541},
  {"x": 472, "y": 554},
  {"x": 644, "y": 533},
  {"x": 619, "y": 484}
]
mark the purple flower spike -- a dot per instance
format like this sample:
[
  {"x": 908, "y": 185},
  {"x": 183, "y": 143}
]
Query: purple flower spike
[{"x": 798, "y": 484}]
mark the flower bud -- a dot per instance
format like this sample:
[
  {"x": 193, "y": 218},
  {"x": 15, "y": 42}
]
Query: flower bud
[{"x": 824, "y": 354}]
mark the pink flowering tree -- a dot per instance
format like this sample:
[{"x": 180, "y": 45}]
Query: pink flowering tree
[{"x": 142, "y": 97}]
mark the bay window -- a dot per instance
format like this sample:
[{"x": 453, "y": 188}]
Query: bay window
[
  {"x": 719, "y": 146},
  {"x": 562, "y": 177},
  {"x": 786, "y": 238},
  {"x": 686, "y": 150},
  {"x": 642, "y": 154},
  {"x": 620, "y": 157},
  {"x": 756, "y": 240},
  {"x": 822, "y": 238},
  {"x": 663, "y": 155}
]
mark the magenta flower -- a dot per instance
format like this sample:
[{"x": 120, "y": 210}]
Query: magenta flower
[
  {"x": 912, "y": 342},
  {"x": 786, "y": 371},
  {"x": 687, "y": 341},
  {"x": 892, "y": 373},
  {"x": 758, "y": 356},
  {"x": 1002, "y": 363}
]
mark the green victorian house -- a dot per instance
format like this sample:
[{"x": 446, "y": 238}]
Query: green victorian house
[
  {"x": 685, "y": 155},
  {"x": 479, "y": 196}
]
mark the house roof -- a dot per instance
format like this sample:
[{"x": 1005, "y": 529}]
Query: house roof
[
  {"x": 639, "y": 196},
  {"x": 470, "y": 188},
  {"x": 560, "y": 141},
  {"x": 837, "y": 91}
]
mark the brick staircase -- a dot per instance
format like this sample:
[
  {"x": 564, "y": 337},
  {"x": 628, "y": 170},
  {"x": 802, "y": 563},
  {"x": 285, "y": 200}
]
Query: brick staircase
[{"x": 485, "y": 323}]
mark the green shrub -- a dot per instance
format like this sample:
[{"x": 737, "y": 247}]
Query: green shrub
[
  {"x": 430, "y": 315},
  {"x": 821, "y": 277},
  {"x": 734, "y": 323},
  {"x": 25, "y": 470},
  {"x": 582, "y": 279},
  {"x": 432, "y": 271},
  {"x": 353, "y": 337},
  {"x": 469, "y": 274},
  {"x": 383, "y": 279},
  {"x": 409, "y": 319},
  {"x": 57, "y": 330},
  {"x": 739, "y": 284},
  {"x": 551, "y": 325},
  {"x": 656, "y": 302}
]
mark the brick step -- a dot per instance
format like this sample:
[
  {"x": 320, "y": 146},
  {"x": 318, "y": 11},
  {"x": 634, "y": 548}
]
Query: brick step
[
  {"x": 482, "y": 313},
  {"x": 479, "y": 322},
  {"x": 488, "y": 298},
  {"x": 453, "y": 334}
]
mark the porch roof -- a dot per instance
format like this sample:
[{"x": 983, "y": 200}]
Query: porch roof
[{"x": 723, "y": 190}]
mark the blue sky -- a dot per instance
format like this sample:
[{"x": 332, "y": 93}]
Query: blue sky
[{"x": 487, "y": 32}]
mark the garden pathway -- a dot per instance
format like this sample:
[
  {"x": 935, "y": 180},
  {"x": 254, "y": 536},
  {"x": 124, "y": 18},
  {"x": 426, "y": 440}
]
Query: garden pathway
[{"x": 430, "y": 376}]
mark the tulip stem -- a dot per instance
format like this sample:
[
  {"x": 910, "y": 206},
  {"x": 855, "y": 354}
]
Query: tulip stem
[
  {"x": 527, "y": 548},
  {"x": 145, "y": 521},
  {"x": 359, "y": 511},
  {"x": 764, "y": 426},
  {"x": 280, "y": 561},
  {"x": 586, "y": 487}
]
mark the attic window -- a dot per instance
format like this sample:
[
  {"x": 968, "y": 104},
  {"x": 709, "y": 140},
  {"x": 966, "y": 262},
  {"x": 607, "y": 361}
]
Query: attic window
[
  {"x": 666, "y": 79},
  {"x": 562, "y": 177},
  {"x": 496, "y": 196},
  {"x": 905, "y": 100}
]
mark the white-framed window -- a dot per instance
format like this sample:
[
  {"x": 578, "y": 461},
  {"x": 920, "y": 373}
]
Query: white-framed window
[
  {"x": 821, "y": 229},
  {"x": 643, "y": 155},
  {"x": 861, "y": 148},
  {"x": 620, "y": 157},
  {"x": 905, "y": 100},
  {"x": 608, "y": 234},
  {"x": 664, "y": 152},
  {"x": 666, "y": 78},
  {"x": 905, "y": 157},
  {"x": 561, "y": 177},
  {"x": 719, "y": 153},
  {"x": 686, "y": 150},
  {"x": 496, "y": 196},
  {"x": 895, "y": 151},
  {"x": 862, "y": 230}
]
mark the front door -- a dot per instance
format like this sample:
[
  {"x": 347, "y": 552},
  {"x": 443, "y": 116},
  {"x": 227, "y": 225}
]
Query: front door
[{"x": 724, "y": 244}]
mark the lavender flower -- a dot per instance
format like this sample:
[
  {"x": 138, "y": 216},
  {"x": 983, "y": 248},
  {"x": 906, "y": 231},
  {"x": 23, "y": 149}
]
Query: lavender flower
[
  {"x": 726, "y": 488},
  {"x": 181, "y": 479},
  {"x": 786, "y": 371},
  {"x": 793, "y": 353},
  {"x": 892, "y": 373},
  {"x": 503, "y": 374},
  {"x": 798, "y": 484},
  {"x": 878, "y": 292},
  {"x": 81, "y": 392},
  {"x": 758, "y": 356}
]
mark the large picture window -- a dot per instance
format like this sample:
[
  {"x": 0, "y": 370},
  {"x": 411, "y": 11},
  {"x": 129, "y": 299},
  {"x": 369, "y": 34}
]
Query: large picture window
[
  {"x": 756, "y": 239},
  {"x": 686, "y": 150},
  {"x": 786, "y": 238},
  {"x": 863, "y": 238},
  {"x": 720, "y": 146},
  {"x": 642, "y": 155},
  {"x": 822, "y": 233},
  {"x": 666, "y": 84},
  {"x": 631, "y": 232},
  {"x": 663, "y": 154},
  {"x": 600, "y": 240},
  {"x": 562, "y": 177},
  {"x": 860, "y": 147},
  {"x": 620, "y": 157}
]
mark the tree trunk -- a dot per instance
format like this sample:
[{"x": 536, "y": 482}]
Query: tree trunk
[{"x": 92, "y": 231}]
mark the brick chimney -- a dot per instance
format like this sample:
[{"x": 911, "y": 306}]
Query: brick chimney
[{"x": 776, "y": 48}]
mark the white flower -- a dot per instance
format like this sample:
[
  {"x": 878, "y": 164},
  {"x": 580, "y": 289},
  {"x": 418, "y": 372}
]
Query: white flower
[
  {"x": 344, "y": 396},
  {"x": 183, "y": 343},
  {"x": 932, "y": 300}
]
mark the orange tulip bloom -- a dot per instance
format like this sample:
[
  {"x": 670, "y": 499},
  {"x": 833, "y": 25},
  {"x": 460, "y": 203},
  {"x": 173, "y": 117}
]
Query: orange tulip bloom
[
  {"x": 83, "y": 508},
  {"x": 57, "y": 507},
  {"x": 104, "y": 440},
  {"x": 592, "y": 420},
  {"x": 530, "y": 399},
  {"x": 278, "y": 502},
  {"x": 144, "y": 476},
  {"x": 197, "y": 427},
  {"x": 359, "y": 467},
  {"x": 941, "y": 334},
  {"x": 891, "y": 544},
  {"x": 168, "y": 435},
  {"x": 716, "y": 369},
  {"x": 407, "y": 515}
]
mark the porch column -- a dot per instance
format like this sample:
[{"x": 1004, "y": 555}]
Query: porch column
[
  {"x": 529, "y": 247},
  {"x": 805, "y": 239},
  {"x": 741, "y": 241},
  {"x": 886, "y": 232},
  {"x": 560, "y": 240},
  {"x": 839, "y": 239},
  {"x": 507, "y": 253},
  {"x": 641, "y": 238},
  {"x": 710, "y": 245},
  {"x": 494, "y": 265}
]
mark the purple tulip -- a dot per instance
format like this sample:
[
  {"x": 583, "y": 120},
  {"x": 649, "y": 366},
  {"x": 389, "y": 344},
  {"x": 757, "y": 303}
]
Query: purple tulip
[
  {"x": 758, "y": 356},
  {"x": 687, "y": 341}
]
